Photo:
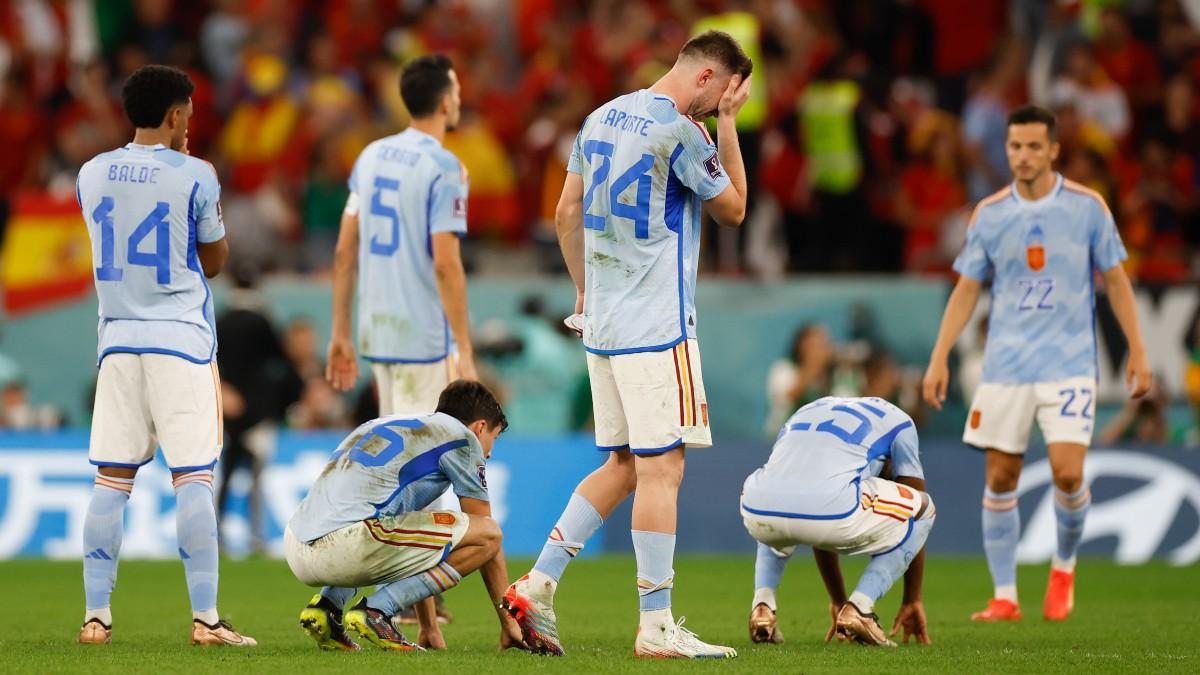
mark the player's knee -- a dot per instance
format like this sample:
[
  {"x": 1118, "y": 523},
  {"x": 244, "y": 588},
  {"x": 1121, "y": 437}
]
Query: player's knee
[
  {"x": 621, "y": 466},
  {"x": 1069, "y": 480},
  {"x": 489, "y": 535},
  {"x": 1002, "y": 479},
  {"x": 660, "y": 470},
  {"x": 927, "y": 511}
]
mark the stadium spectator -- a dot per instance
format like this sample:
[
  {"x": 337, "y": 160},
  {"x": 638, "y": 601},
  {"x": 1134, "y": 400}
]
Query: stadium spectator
[
  {"x": 1142, "y": 421},
  {"x": 984, "y": 124},
  {"x": 930, "y": 190},
  {"x": 1086, "y": 86},
  {"x": 804, "y": 375}
]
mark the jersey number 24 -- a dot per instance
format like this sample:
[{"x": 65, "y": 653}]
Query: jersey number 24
[{"x": 639, "y": 173}]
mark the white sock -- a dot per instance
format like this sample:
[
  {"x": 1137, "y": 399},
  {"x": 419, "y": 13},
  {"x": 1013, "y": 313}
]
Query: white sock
[
  {"x": 763, "y": 596},
  {"x": 1006, "y": 593},
  {"x": 209, "y": 616},
  {"x": 864, "y": 604},
  {"x": 657, "y": 619},
  {"x": 1057, "y": 563},
  {"x": 103, "y": 613},
  {"x": 541, "y": 585}
]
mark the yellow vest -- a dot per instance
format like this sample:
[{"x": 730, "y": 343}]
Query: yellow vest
[
  {"x": 743, "y": 27},
  {"x": 827, "y": 109}
]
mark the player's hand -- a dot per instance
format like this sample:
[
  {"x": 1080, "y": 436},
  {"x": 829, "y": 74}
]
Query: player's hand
[
  {"x": 735, "y": 96},
  {"x": 466, "y": 366},
  {"x": 510, "y": 634},
  {"x": 432, "y": 638},
  {"x": 937, "y": 377},
  {"x": 911, "y": 618},
  {"x": 341, "y": 364},
  {"x": 834, "y": 608},
  {"x": 1138, "y": 376}
]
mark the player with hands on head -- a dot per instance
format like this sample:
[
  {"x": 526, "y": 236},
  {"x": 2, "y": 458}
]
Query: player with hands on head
[
  {"x": 642, "y": 171},
  {"x": 1040, "y": 242}
]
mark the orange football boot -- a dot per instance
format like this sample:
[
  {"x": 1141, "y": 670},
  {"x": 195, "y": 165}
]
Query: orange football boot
[
  {"x": 999, "y": 610},
  {"x": 1060, "y": 595}
]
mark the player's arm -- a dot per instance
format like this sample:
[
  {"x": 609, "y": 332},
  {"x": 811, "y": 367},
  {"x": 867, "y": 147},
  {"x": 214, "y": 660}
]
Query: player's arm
[
  {"x": 568, "y": 223},
  {"x": 831, "y": 574},
  {"x": 341, "y": 363},
  {"x": 213, "y": 256},
  {"x": 495, "y": 577},
  {"x": 452, "y": 288},
  {"x": 958, "y": 312},
  {"x": 1120, "y": 296},
  {"x": 729, "y": 207}
]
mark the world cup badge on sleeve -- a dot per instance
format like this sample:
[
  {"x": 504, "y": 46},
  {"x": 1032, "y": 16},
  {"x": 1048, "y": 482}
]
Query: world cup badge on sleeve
[{"x": 1035, "y": 250}]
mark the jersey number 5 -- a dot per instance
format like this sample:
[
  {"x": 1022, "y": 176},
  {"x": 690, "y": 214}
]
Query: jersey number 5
[
  {"x": 639, "y": 173},
  {"x": 381, "y": 210},
  {"x": 156, "y": 222}
]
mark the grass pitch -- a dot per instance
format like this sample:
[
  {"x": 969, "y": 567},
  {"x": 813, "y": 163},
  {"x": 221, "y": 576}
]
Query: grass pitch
[{"x": 1126, "y": 619}]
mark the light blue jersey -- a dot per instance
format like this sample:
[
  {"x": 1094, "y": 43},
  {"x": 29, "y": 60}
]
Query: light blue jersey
[
  {"x": 824, "y": 451},
  {"x": 146, "y": 208},
  {"x": 646, "y": 169},
  {"x": 409, "y": 188},
  {"x": 392, "y": 465},
  {"x": 1041, "y": 258}
]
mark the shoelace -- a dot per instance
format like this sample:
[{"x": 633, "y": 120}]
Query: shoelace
[{"x": 690, "y": 639}]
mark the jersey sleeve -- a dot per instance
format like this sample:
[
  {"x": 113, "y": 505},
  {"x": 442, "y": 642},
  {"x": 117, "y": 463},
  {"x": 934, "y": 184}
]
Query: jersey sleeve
[
  {"x": 575, "y": 163},
  {"x": 697, "y": 164},
  {"x": 906, "y": 455},
  {"x": 448, "y": 198},
  {"x": 465, "y": 469},
  {"x": 1107, "y": 249},
  {"x": 973, "y": 260},
  {"x": 209, "y": 226}
]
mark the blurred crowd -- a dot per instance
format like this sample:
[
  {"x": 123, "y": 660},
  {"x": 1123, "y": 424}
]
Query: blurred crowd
[{"x": 874, "y": 124}]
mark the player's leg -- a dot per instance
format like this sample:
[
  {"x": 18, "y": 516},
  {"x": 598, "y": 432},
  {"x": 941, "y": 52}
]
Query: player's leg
[
  {"x": 888, "y": 566},
  {"x": 1066, "y": 416},
  {"x": 186, "y": 407},
  {"x": 121, "y": 441},
  {"x": 769, "y": 564},
  {"x": 412, "y": 569},
  {"x": 663, "y": 398},
  {"x": 531, "y": 598},
  {"x": 1000, "y": 420}
]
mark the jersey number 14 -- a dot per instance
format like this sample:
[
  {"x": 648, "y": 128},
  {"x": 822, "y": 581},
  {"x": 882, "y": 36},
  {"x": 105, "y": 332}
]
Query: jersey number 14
[{"x": 156, "y": 222}]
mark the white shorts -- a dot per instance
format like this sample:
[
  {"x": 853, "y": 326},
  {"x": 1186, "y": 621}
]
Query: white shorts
[
  {"x": 412, "y": 388},
  {"x": 376, "y": 550},
  {"x": 144, "y": 401},
  {"x": 1002, "y": 415},
  {"x": 882, "y": 521},
  {"x": 650, "y": 402}
]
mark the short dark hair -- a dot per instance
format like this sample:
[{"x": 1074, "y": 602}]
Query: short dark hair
[
  {"x": 423, "y": 83},
  {"x": 1032, "y": 114},
  {"x": 719, "y": 46},
  {"x": 468, "y": 401},
  {"x": 151, "y": 91}
]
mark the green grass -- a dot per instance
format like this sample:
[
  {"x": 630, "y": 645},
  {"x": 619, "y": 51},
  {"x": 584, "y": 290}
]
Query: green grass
[{"x": 1126, "y": 619}]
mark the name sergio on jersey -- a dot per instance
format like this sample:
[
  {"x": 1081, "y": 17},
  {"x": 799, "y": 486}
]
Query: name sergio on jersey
[{"x": 623, "y": 121}]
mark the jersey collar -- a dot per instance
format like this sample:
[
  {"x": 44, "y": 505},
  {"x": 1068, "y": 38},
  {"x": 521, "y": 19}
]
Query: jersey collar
[
  {"x": 145, "y": 148},
  {"x": 1058, "y": 183},
  {"x": 422, "y": 136}
]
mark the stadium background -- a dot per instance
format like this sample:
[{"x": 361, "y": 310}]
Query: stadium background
[{"x": 873, "y": 128}]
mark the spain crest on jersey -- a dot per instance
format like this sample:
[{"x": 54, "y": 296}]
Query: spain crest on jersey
[{"x": 1035, "y": 251}]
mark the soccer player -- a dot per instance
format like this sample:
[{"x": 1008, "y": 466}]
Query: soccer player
[
  {"x": 629, "y": 226},
  {"x": 399, "y": 241},
  {"x": 362, "y": 523},
  {"x": 844, "y": 477},
  {"x": 1039, "y": 241},
  {"x": 154, "y": 218}
]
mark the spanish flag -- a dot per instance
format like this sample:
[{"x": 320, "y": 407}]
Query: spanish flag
[{"x": 47, "y": 255}]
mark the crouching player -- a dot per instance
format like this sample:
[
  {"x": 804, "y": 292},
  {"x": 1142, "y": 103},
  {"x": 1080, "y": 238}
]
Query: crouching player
[
  {"x": 824, "y": 485},
  {"x": 362, "y": 524}
]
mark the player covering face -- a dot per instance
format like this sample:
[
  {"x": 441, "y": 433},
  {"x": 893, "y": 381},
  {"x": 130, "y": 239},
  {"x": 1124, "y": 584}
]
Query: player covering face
[
  {"x": 362, "y": 524},
  {"x": 628, "y": 221},
  {"x": 1039, "y": 242}
]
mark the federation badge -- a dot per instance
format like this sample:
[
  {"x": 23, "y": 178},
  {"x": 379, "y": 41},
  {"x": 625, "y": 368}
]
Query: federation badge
[
  {"x": 704, "y": 413},
  {"x": 976, "y": 417},
  {"x": 443, "y": 518},
  {"x": 1035, "y": 250}
]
